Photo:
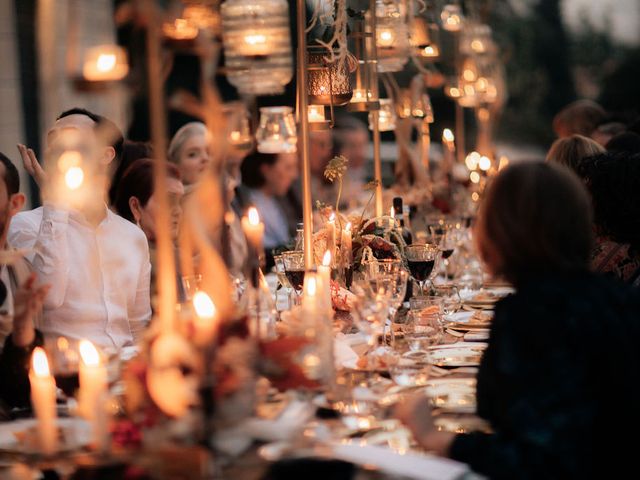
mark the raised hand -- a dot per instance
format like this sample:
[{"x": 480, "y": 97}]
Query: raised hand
[{"x": 32, "y": 166}]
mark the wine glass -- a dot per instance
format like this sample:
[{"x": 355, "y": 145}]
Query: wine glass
[
  {"x": 422, "y": 259},
  {"x": 280, "y": 271},
  {"x": 450, "y": 299},
  {"x": 191, "y": 284},
  {"x": 294, "y": 270},
  {"x": 64, "y": 355},
  {"x": 422, "y": 329}
]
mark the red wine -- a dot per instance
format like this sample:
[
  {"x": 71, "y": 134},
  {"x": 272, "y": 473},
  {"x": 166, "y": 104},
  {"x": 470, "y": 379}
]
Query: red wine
[
  {"x": 296, "y": 278},
  {"x": 447, "y": 253},
  {"x": 420, "y": 270},
  {"x": 68, "y": 382}
]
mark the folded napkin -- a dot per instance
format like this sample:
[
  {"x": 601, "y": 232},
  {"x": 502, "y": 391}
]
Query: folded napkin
[
  {"x": 410, "y": 465},
  {"x": 344, "y": 355},
  {"x": 234, "y": 441}
]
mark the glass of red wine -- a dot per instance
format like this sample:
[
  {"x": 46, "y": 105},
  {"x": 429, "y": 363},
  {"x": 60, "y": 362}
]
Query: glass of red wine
[
  {"x": 422, "y": 260},
  {"x": 64, "y": 356},
  {"x": 294, "y": 270}
]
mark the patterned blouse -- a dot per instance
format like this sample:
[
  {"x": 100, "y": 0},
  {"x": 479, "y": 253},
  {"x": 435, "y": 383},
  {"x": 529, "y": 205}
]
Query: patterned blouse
[{"x": 617, "y": 259}]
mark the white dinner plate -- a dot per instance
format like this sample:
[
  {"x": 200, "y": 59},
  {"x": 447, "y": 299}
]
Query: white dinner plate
[
  {"x": 461, "y": 354},
  {"x": 19, "y": 436}
]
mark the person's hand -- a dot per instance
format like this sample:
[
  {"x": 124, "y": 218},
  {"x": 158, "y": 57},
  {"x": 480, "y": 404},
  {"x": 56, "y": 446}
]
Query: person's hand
[
  {"x": 32, "y": 166},
  {"x": 27, "y": 302},
  {"x": 415, "y": 413}
]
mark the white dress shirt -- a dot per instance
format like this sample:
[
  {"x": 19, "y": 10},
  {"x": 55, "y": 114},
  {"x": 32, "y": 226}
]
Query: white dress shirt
[{"x": 99, "y": 276}]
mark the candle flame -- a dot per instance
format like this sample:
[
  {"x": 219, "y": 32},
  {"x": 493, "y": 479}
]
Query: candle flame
[
  {"x": 89, "y": 353},
  {"x": 326, "y": 259},
  {"x": 474, "y": 177},
  {"x": 39, "y": 363},
  {"x": 310, "y": 286},
  {"x": 392, "y": 213},
  {"x": 74, "y": 178},
  {"x": 504, "y": 162},
  {"x": 255, "y": 39},
  {"x": 254, "y": 218},
  {"x": 448, "y": 135},
  {"x": 203, "y": 305},
  {"x": 484, "y": 163},
  {"x": 332, "y": 217},
  {"x": 348, "y": 227},
  {"x": 106, "y": 62}
]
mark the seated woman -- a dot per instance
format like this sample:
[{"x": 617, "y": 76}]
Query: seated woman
[
  {"x": 570, "y": 151},
  {"x": 135, "y": 202},
  {"x": 189, "y": 151},
  {"x": 613, "y": 180},
  {"x": 555, "y": 382},
  {"x": 269, "y": 177}
]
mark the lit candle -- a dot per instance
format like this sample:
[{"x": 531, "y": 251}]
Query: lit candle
[
  {"x": 205, "y": 319},
  {"x": 386, "y": 38},
  {"x": 253, "y": 229},
  {"x": 316, "y": 113},
  {"x": 93, "y": 392},
  {"x": 448, "y": 141},
  {"x": 324, "y": 276},
  {"x": 392, "y": 218},
  {"x": 310, "y": 294},
  {"x": 331, "y": 234},
  {"x": 43, "y": 400},
  {"x": 254, "y": 43}
]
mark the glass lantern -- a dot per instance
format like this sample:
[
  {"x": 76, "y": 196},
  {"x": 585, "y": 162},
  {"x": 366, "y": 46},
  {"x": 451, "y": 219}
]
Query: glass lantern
[
  {"x": 387, "y": 116},
  {"x": 328, "y": 83},
  {"x": 257, "y": 45},
  {"x": 239, "y": 136},
  {"x": 365, "y": 92},
  {"x": 424, "y": 39},
  {"x": 392, "y": 35},
  {"x": 452, "y": 18},
  {"x": 277, "y": 130}
]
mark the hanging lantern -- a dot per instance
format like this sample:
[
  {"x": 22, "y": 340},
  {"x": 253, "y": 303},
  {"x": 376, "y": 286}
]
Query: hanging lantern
[
  {"x": 386, "y": 118},
  {"x": 277, "y": 130},
  {"x": 477, "y": 40},
  {"x": 239, "y": 136},
  {"x": 452, "y": 18},
  {"x": 392, "y": 35},
  {"x": 317, "y": 118},
  {"x": 257, "y": 45},
  {"x": 328, "y": 83},
  {"x": 203, "y": 15},
  {"x": 178, "y": 29},
  {"x": 424, "y": 38},
  {"x": 105, "y": 63},
  {"x": 365, "y": 93}
]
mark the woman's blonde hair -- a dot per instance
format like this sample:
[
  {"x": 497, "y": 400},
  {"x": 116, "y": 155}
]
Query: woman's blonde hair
[
  {"x": 182, "y": 135},
  {"x": 570, "y": 151}
]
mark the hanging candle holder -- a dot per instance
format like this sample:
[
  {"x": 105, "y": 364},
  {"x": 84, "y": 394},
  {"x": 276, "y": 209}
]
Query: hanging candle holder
[
  {"x": 425, "y": 36},
  {"x": 392, "y": 35},
  {"x": 203, "y": 14},
  {"x": 239, "y": 135},
  {"x": 277, "y": 130},
  {"x": 257, "y": 45},
  {"x": 386, "y": 116},
  {"x": 452, "y": 17},
  {"x": 179, "y": 30},
  {"x": 365, "y": 95},
  {"x": 477, "y": 40}
]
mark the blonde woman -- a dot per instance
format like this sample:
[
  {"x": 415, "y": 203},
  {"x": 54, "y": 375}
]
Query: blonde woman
[
  {"x": 570, "y": 151},
  {"x": 189, "y": 151}
]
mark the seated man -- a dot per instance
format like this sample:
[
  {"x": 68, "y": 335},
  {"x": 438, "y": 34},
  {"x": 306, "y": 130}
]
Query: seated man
[
  {"x": 14, "y": 271},
  {"x": 96, "y": 262}
]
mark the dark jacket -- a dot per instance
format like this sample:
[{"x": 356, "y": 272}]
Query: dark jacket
[{"x": 559, "y": 382}]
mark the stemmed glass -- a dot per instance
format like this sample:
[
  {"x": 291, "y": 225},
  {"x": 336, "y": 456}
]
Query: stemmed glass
[
  {"x": 370, "y": 309},
  {"x": 281, "y": 273},
  {"x": 65, "y": 361},
  {"x": 294, "y": 270},
  {"x": 450, "y": 299},
  {"x": 422, "y": 259}
]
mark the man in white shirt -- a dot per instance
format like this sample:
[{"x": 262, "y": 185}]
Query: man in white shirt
[{"x": 96, "y": 262}]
